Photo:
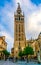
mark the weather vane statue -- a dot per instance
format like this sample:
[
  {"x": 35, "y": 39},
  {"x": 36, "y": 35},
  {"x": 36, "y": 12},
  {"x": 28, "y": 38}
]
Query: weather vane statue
[{"x": 18, "y": 3}]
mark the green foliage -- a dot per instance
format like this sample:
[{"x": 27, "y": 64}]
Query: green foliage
[
  {"x": 20, "y": 53},
  {"x": 6, "y": 52},
  {"x": 28, "y": 51}
]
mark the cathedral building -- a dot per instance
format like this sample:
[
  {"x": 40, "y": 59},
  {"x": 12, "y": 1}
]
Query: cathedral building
[
  {"x": 20, "y": 41},
  {"x": 36, "y": 44},
  {"x": 3, "y": 46}
]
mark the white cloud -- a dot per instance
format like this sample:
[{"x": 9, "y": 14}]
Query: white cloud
[
  {"x": 34, "y": 23},
  {"x": 7, "y": 24}
]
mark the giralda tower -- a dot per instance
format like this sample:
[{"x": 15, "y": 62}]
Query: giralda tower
[{"x": 19, "y": 31}]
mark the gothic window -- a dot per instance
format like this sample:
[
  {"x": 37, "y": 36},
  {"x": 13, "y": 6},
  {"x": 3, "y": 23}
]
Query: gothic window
[
  {"x": 18, "y": 12},
  {"x": 19, "y": 35},
  {"x": 16, "y": 18},
  {"x": 2, "y": 42},
  {"x": 19, "y": 17},
  {"x": 22, "y": 36},
  {"x": 19, "y": 38},
  {"x": 16, "y": 36},
  {"x": 22, "y": 28},
  {"x": 16, "y": 27},
  {"x": 19, "y": 27},
  {"x": 22, "y": 18}
]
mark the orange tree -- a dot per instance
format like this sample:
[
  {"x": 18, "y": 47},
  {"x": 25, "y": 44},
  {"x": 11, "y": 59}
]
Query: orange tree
[
  {"x": 28, "y": 51},
  {"x": 6, "y": 53}
]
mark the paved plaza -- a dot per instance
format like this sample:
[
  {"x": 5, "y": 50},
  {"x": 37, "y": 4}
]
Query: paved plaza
[
  {"x": 6, "y": 63},
  {"x": 17, "y": 63}
]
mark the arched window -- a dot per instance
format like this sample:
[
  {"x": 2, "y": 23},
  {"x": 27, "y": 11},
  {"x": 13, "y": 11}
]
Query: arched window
[
  {"x": 19, "y": 17},
  {"x": 19, "y": 28},
  {"x": 22, "y": 18},
  {"x": 16, "y": 18}
]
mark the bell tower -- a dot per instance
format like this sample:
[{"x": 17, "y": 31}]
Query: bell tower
[{"x": 19, "y": 31}]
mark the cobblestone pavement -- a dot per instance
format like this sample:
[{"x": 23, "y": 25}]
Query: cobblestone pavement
[{"x": 17, "y": 63}]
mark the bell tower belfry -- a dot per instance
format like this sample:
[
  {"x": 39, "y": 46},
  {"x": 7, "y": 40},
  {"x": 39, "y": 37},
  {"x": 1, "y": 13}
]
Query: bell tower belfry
[{"x": 19, "y": 31}]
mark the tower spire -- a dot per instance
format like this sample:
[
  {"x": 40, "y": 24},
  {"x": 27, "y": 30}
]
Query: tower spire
[
  {"x": 18, "y": 4},
  {"x": 19, "y": 9}
]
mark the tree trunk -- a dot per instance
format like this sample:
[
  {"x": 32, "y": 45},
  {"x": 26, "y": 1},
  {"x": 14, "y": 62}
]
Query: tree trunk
[{"x": 27, "y": 58}]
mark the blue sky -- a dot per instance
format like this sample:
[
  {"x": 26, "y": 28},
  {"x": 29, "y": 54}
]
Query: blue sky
[
  {"x": 37, "y": 2},
  {"x": 2, "y": 2},
  {"x": 32, "y": 12}
]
